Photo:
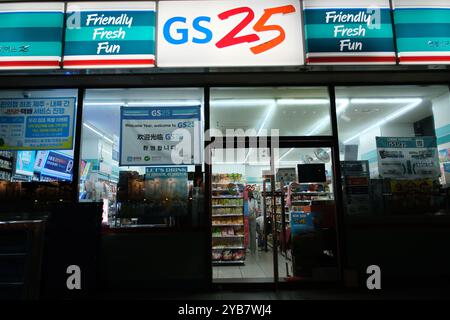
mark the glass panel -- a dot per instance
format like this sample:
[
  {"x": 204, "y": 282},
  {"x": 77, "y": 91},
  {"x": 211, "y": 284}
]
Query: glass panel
[
  {"x": 38, "y": 119},
  {"x": 291, "y": 110},
  {"x": 163, "y": 195},
  {"x": 305, "y": 223},
  {"x": 238, "y": 230},
  {"x": 395, "y": 146}
]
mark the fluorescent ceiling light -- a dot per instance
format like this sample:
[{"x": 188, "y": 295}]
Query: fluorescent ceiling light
[
  {"x": 240, "y": 102},
  {"x": 303, "y": 102},
  {"x": 97, "y": 132},
  {"x": 382, "y": 101},
  {"x": 322, "y": 123},
  {"x": 162, "y": 103},
  {"x": 392, "y": 116},
  {"x": 286, "y": 153}
]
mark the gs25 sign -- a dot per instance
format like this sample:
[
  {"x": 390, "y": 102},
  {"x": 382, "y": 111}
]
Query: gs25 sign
[{"x": 229, "y": 33}]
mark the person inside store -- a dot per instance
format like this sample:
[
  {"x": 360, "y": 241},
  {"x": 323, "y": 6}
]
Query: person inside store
[{"x": 253, "y": 212}]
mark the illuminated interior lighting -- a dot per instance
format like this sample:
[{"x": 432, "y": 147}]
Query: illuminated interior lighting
[
  {"x": 303, "y": 102},
  {"x": 392, "y": 116},
  {"x": 162, "y": 103},
  {"x": 97, "y": 132},
  {"x": 382, "y": 101}
]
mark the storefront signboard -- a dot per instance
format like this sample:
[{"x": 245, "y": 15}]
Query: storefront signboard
[
  {"x": 229, "y": 33},
  {"x": 31, "y": 35},
  {"x": 37, "y": 124},
  {"x": 422, "y": 30},
  {"x": 110, "y": 35},
  {"x": 160, "y": 135},
  {"x": 348, "y": 32},
  {"x": 408, "y": 157}
]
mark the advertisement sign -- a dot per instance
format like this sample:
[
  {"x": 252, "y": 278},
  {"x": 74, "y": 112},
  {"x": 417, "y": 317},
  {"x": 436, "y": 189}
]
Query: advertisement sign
[
  {"x": 356, "y": 182},
  {"x": 155, "y": 135},
  {"x": 229, "y": 33},
  {"x": 31, "y": 35},
  {"x": 286, "y": 175},
  {"x": 348, "y": 32},
  {"x": 110, "y": 35},
  {"x": 37, "y": 124},
  {"x": 25, "y": 163},
  {"x": 58, "y": 165},
  {"x": 422, "y": 30},
  {"x": 409, "y": 157},
  {"x": 166, "y": 189}
]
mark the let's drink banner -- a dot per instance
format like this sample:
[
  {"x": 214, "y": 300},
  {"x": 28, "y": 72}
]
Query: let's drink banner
[{"x": 222, "y": 33}]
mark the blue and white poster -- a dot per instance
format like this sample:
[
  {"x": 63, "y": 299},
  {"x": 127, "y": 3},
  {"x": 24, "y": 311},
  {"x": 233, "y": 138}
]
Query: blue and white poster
[
  {"x": 25, "y": 163},
  {"x": 37, "y": 124},
  {"x": 58, "y": 166},
  {"x": 408, "y": 157},
  {"x": 160, "y": 135}
]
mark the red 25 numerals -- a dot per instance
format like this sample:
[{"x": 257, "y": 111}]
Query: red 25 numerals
[{"x": 232, "y": 39}]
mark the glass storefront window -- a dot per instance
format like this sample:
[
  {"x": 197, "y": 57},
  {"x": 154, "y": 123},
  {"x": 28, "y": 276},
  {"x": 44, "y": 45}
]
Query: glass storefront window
[
  {"x": 394, "y": 145},
  {"x": 37, "y": 134},
  {"x": 294, "y": 111},
  {"x": 135, "y": 178}
]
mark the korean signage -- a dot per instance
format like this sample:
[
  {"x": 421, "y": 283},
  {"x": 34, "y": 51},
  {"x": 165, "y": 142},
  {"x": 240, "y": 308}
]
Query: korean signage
[
  {"x": 349, "y": 32},
  {"x": 110, "y": 34},
  {"x": 229, "y": 33},
  {"x": 31, "y": 35},
  {"x": 58, "y": 165},
  {"x": 422, "y": 31},
  {"x": 408, "y": 158},
  {"x": 36, "y": 124},
  {"x": 160, "y": 135}
]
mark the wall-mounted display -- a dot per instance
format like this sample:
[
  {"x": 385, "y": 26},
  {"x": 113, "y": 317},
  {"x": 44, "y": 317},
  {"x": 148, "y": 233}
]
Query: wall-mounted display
[
  {"x": 423, "y": 31},
  {"x": 348, "y": 32},
  {"x": 37, "y": 123},
  {"x": 229, "y": 33},
  {"x": 110, "y": 35},
  {"x": 31, "y": 35}
]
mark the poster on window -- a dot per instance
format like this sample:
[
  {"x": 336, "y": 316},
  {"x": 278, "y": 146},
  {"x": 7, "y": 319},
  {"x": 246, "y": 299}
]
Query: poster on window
[
  {"x": 37, "y": 124},
  {"x": 160, "y": 135},
  {"x": 408, "y": 157},
  {"x": 166, "y": 190}
]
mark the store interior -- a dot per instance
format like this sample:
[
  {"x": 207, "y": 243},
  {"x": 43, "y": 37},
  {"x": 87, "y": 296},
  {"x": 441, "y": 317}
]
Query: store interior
[{"x": 247, "y": 213}]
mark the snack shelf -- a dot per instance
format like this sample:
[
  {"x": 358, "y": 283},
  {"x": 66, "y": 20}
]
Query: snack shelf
[
  {"x": 227, "y": 215},
  {"x": 228, "y": 225},
  {"x": 227, "y": 206},
  {"x": 229, "y": 236},
  {"x": 228, "y": 248},
  {"x": 229, "y": 262},
  {"x": 226, "y": 197}
]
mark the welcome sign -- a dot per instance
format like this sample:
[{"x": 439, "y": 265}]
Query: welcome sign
[
  {"x": 423, "y": 31},
  {"x": 349, "y": 32},
  {"x": 229, "y": 33},
  {"x": 31, "y": 35},
  {"x": 110, "y": 35}
]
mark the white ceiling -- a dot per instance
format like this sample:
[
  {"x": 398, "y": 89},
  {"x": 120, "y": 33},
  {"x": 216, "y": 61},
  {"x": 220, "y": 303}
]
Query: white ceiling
[{"x": 246, "y": 108}]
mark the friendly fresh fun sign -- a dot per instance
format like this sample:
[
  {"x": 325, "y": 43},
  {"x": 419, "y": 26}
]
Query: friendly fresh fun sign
[
  {"x": 110, "y": 34},
  {"x": 349, "y": 32},
  {"x": 31, "y": 35}
]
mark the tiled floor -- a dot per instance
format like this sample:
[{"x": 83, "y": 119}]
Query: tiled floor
[{"x": 258, "y": 265}]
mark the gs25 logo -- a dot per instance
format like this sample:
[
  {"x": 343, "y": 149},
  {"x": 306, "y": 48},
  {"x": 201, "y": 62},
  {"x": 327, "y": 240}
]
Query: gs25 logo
[{"x": 232, "y": 38}]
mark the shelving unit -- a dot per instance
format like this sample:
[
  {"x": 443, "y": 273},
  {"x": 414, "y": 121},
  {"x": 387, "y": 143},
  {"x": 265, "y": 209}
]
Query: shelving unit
[
  {"x": 227, "y": 222},
  {"x": 6, "y": 165}
]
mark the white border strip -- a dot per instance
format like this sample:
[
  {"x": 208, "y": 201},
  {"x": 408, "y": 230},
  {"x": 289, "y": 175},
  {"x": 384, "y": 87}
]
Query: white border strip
[
  {"x": 424, "y": 54},
  {"x": 421, "y": 4},
  {"x": 345, "y": 4},
  {"x": 110, "y": 57},
  {"x": 32, "y": 7},
  {"x": 111, "y": 6}
]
